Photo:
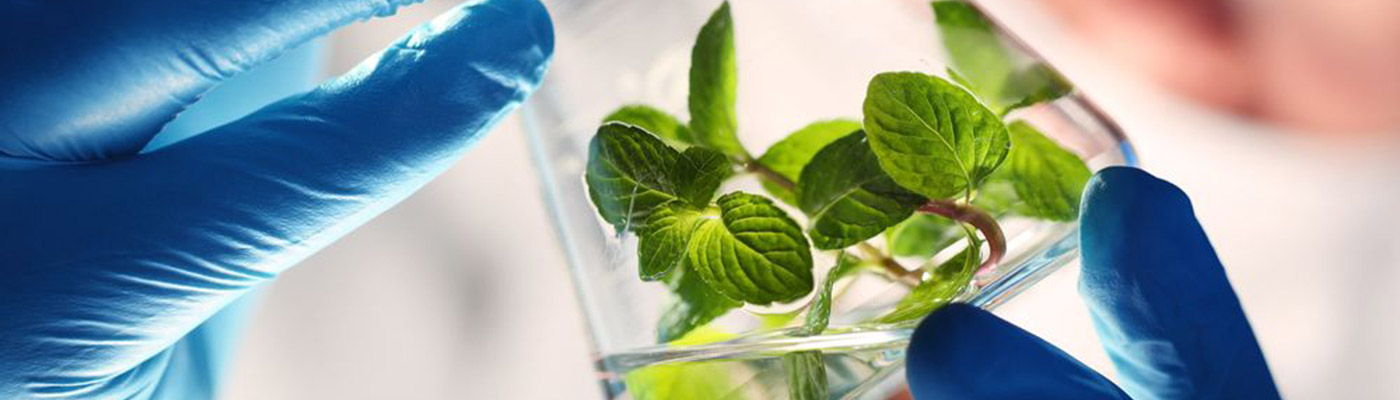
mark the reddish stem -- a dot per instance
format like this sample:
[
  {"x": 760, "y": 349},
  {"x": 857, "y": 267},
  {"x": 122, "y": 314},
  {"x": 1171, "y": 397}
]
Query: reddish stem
[{"x": 966, "y": 213}]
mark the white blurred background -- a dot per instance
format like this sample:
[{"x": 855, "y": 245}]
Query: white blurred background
[{"x": 461, "y": 291}]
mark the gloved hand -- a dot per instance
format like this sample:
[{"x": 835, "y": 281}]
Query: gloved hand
[
  {"x": 110, "y": 258},
  {"x": 1159, "y": 298}
]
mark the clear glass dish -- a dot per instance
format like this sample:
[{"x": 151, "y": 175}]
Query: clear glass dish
[{"x": 798, "y": 61}]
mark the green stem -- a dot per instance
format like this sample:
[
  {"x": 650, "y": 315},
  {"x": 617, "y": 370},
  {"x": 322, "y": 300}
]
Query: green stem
[
  {"x": 971, "y": 215},
  {"x": 769, "y": 174},
  {"x": 892, "y": 267}
]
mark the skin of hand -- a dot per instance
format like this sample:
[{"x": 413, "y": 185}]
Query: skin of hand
[
  {"x": 1322, "y": 66},
  {"x": 1159, "y": 298},
  {"x": 116, "y": 266}
]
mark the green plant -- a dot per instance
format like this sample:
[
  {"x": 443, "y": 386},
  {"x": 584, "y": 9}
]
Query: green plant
[{"x": 931, "y": 164}]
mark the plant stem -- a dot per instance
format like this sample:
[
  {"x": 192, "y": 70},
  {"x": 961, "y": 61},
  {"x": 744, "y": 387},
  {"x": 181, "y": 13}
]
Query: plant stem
[
  {"x": 894, "y": 268},
  {"x": 769, "y": 174},
  {"x": 971, "y": 215}
]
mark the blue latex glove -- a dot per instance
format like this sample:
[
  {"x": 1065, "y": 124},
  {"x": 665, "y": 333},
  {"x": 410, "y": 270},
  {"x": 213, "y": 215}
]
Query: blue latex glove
[
  {"x": 110, "y": 258},
  {"x": 1160, "y": 300}
]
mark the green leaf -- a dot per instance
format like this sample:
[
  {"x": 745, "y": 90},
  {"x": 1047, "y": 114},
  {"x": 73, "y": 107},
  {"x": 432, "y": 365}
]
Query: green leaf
[
  {"x": 975, "y": 50},
  {"x": 768, "y": 322},
  {"x": 753, "y": 253},
  {"x": 713, "y": 78},
  {"x": 988, "y": 65},
  {"x": 1049, "y": 180},
  {"x": 931, "y": 136},
  {"x": 998, "y": 195},
  {"x": 658, "y": 122},
  {"x": 819, "y": 313},
  {"x": 1035, "y": 84},
  {"x": 700, "y": 171},
  {"x": 847, "y": 196},
  {"x": 680, "y": 381},
  {"x": 806, "y": 372},
  {"x": 695, "y": 305},
  {"x": 630, "y": 172},
  {"x": 922, "y": 235},
  {"x": 788, "y": 156},
  {"x": 663, "y": 241},
  {"x": 948, "y": 281}
]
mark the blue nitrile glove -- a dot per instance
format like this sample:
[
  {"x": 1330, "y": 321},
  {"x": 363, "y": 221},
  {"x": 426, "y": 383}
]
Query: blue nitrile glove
[
  {"x": 1159, "y": 297},
  {"x": 110, "y": 258}
]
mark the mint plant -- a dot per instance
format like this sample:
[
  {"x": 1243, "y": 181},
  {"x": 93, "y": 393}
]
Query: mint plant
[{"x": 932, "y": 163}]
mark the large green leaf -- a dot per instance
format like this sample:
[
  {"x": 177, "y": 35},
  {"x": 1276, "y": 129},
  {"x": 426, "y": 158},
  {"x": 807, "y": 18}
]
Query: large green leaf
[
  {"x": 753, "y": 253},
  {"x": 922, "y": 235},
  {"x": 695, "y": 305},
  {"x": 949, "y": 280},
  {"x": 663, "y": 241},
  {"x": 806, "y": 375},
  {"x": 931, "y": 136},
  {"x": 990, "y": 66},
  {"x": 658, "y": 122},
  {"x": 713, "y": 78},
  {"x": 1049, "y": 180},
  {"x": 848, "y": 197},
  {"x": 700, "y": 171},
  {"x": 788, "y": 156},
  {"x": 630, "y": 172}
]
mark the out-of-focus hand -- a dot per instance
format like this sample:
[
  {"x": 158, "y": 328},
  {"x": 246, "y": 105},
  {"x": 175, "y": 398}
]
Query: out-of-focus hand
[
  {"x": 1321, "y": 65},
  {"x": 110, "y": 258},
  {"x": 1159, "y": 298}
]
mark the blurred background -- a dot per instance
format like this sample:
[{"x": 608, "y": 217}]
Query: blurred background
[{"x": 1283, "y": 137}]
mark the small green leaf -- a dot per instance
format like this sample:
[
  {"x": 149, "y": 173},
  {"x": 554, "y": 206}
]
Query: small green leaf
[
  {"x": 713, "y": 78},
  {"x": 700, "y": 171},
  {"x": 680, "y": 381},
  {"x": 931, "y": 136},
  {"x": 753, "y": 253},
  {"x": 806, "y": 371},
  {"x": 819, "y": 313},
  {"x": 922, "y": 235},
  {"x": 630, "y": 172},
  {"x": 658, "y": 122},
  {"x": 695, "y": 305},
  {"x": 1036, "y": 84},
  {"x": 768, "y": 322},
  {"x": 1049, "y": 180},
  {"x": 663, "y": 241},
  {"x": 948, "y": 281},
  {"x": 977, "y": 54},
  {"x": 988, "y": 65},
  {"x": 788, "y": 156},
  {"x": 847, "y": 196}
]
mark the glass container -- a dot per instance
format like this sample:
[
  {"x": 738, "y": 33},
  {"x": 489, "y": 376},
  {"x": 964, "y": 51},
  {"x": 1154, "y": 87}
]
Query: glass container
[{"x": 798, "y": 61}]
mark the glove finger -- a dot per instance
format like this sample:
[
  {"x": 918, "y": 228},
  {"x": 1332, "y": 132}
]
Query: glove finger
[
  {"x": 143, "y": 249},
  {"x": 963, "y": 352},
  {"x": 95, "y": 80},
  {"x": 1160, "y": 299}
]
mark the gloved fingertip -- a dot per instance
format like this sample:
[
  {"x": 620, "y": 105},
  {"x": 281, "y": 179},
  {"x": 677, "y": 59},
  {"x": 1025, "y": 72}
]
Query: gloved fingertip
[
  {"x": 1160, "y": 299},
  {"x": 1118, "y": 191},
  {"x": 947, "y": 337},
  {"x": 964, "y": 352},
  {"x": 1125, "y": 209}
]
